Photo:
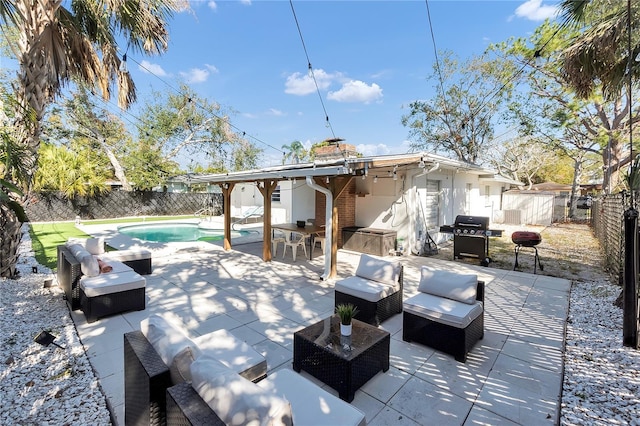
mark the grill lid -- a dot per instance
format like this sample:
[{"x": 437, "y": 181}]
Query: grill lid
[{"x": 472, "y": 222}]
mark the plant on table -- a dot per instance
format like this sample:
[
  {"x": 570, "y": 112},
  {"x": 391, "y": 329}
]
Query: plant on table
[{"x": 346, "y": 312}]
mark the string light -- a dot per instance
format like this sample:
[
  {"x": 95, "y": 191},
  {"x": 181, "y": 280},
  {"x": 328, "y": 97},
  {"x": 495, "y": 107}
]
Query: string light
[
  {"x": 375, "y": 179},
  {"x": 327, "y": 180}
]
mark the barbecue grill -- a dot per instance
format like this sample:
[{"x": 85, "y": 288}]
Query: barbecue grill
[
  {"x": 471, "y": 237},
  {"x": 527, "y": 239}
]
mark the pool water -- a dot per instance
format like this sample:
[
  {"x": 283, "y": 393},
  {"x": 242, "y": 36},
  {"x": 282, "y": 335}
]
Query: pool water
[{"x": 175, "y": 232}]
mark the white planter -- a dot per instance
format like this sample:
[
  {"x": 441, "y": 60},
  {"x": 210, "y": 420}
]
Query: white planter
[{"x": 345, "y": 330}]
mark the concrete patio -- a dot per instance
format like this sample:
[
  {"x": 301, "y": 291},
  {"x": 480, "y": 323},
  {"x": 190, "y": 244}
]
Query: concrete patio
[{"x": 513, "y": 376}]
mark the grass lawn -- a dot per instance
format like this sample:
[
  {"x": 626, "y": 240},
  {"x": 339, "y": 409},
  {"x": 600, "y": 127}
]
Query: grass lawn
[{"x": 46, "y": 237}]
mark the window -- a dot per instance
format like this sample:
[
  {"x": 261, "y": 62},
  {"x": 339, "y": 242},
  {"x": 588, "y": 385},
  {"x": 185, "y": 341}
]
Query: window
[{"x": 276, "y": 194}]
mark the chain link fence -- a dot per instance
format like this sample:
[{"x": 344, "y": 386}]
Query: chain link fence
[
  {"x": 48, "y": 207},
  {"x": 607, "y": 216}
]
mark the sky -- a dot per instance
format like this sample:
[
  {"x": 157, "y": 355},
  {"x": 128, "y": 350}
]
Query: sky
[{"x": 369, "y": 58}]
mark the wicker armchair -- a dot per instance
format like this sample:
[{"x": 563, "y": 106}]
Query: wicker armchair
[
  {"x": 444, "y": 324},
  {"x": 376, "y": 290}
]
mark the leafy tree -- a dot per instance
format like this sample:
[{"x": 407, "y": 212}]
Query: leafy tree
[
  {"x": 521, "y": 159},
  {"x": 184, "y": 123},
  {"x": 83, "y": 125},
  {"x": 549, "y": 109},
  {"x": 295, "y": 152},
  {"x": 146, "y": 165},
  {"x": 458, "y": 120}
]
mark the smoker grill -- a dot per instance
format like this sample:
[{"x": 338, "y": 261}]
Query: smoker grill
[
  {"x": 471, "y": 237},
  {"x": 527, "y": 239}
]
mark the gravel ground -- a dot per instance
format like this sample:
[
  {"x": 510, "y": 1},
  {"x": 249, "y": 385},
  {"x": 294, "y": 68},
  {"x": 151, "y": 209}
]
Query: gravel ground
[
  {"x": 43, "y": 385},
  {"x": 52, "y": 386}
]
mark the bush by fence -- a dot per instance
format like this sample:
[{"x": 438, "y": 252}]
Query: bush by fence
[{"x": 55, "y": 206}]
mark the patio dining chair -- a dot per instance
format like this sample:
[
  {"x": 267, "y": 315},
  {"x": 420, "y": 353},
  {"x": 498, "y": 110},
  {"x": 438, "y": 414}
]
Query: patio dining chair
[
  {"x": 277, "y": 238},
  {"x": 295, "y": 240}
]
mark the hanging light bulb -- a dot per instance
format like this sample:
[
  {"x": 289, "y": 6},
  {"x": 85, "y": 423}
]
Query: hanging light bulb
[
  {"x": 123, "y": 64},
  {"x": 395, "y": 175},
  {"x": 293, "y": 180},
  {"x": 327, "y": 180},
  {"x": 421, "y": 163},
  {"x": 364, "y": 176},
  {"x": 375, "y": 179}
]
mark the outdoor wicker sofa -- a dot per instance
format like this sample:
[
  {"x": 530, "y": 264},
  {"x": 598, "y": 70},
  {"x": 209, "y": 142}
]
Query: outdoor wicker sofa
[
  {"x": 69, "y": 268},
  {"x": 376, "y": 289},
  {"x": 148, "y": 373},
  {"x": 447, "y": 314},
  {"x": 220, "y": 396}
]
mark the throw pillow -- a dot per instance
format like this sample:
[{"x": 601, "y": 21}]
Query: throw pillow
[
  {"x": 166, "y": 338},
  {"x": 236, "y": 400},
  {"x": 380, "y": 270},
  {"x": 89, "y": 265},
  {"x": 451, "y": 285}
]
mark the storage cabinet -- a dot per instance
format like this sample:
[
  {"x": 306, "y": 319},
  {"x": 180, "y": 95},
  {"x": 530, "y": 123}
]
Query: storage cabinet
[{"x": 378, "y": 242}]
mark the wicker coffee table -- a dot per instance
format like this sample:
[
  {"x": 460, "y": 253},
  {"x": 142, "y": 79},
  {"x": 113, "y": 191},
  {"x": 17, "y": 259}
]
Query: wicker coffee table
[{"x": 344, "y": 363}]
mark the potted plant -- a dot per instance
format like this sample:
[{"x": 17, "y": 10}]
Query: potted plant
[{"x": 346, "y": 312}]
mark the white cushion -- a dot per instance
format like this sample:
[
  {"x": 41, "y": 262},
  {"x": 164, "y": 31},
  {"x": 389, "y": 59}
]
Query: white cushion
[
  {"x": 127, "y": 255},
  {"x": 92, "y": 245},
  {"x": 366, "y": 289},
  {"x": 236, "y": 400},
  {"x": 111, "y": 283},
  {"x": 166, "y": 338},
  {"x": 454, "y": 286},
  {"x": 233, "y": 352},
  {"x": 311, "y": 405},
  {"x": 442, "y": 310},
  {"x": 380, "y": 270},
  {"x": 89, "y": 265}
]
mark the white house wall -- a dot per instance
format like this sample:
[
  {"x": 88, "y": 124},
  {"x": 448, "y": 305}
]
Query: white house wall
[{"x": 395, "y": 205}]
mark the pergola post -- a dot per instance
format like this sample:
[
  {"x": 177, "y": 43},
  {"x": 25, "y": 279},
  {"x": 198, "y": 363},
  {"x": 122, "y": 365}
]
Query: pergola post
[
  {"x": 227, "y": 188},
  {"x": 267, "y": 188}
]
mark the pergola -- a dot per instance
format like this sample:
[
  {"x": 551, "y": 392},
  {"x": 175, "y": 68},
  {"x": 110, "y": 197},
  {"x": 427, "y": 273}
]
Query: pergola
[{"x": 330, "y": 177}]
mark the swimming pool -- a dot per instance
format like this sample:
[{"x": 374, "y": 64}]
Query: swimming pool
[{"x": 175, "y": 232}]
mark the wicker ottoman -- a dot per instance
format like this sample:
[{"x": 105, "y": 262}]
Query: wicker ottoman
[{"x": 112, "y": 293}]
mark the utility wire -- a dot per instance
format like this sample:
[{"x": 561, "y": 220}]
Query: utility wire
[
  {"x": 244, "y": 134},
  {"x": 313, "y": 76},
  {"x": 438, "y": 70}
]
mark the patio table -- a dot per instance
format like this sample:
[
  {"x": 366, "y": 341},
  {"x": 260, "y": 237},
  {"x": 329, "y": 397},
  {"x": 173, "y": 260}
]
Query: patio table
[
  {"x": 343, "y": 362},
  {"x": 309, "y": 231}
]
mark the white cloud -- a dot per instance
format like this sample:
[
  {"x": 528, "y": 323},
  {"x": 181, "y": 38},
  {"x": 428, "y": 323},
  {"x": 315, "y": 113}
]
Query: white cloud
[
  {"x": 195, "y": 75},
  {"x": 149, "y": 68},
  {"x": 534, "y": 10},
  {"x": 212, "y": 5},
  {"x": 276, "y": 112},
  {"x": 372, "y": 150},
  {"x": 302, "y": 84},
  {"x": 246, "y": 2},
  {"x": 212, "y": 68},
  {"x": 356, "y": 91}
]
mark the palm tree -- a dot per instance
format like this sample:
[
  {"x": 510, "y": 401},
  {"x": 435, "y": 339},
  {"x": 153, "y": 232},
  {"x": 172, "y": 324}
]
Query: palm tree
[
  {"x": 295, "y": 152},
  {"x": 56, "y": 45},
  {"x": 601, "y": 53},
  {"x": 13, "y": 174}
]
